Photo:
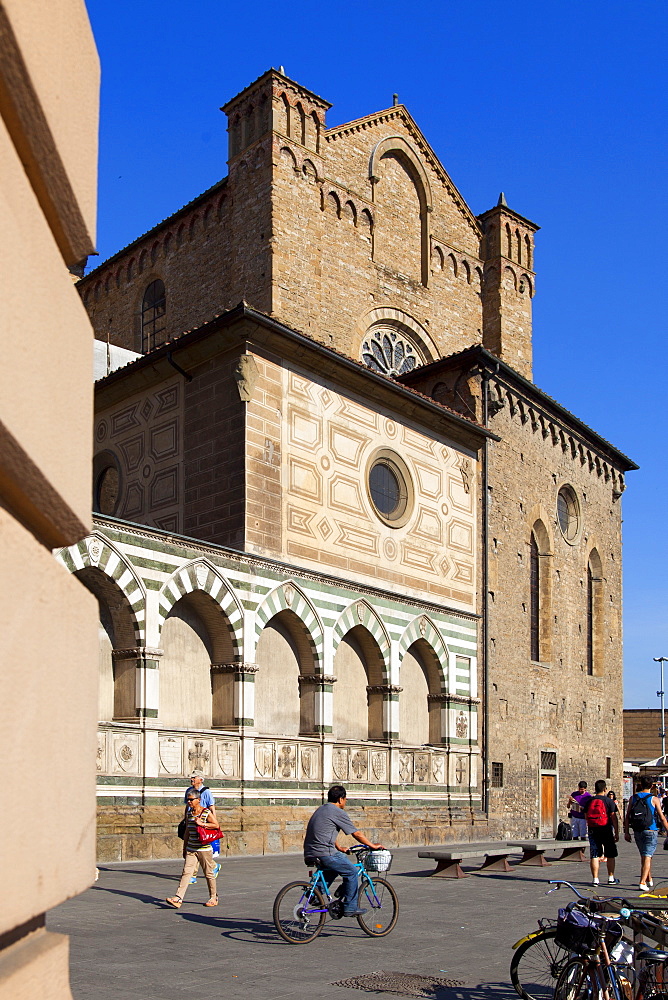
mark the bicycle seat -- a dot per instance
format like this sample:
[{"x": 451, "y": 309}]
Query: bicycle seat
[
  {"x": 647, "y": 954},
  {"x": 312, "y": 862}
]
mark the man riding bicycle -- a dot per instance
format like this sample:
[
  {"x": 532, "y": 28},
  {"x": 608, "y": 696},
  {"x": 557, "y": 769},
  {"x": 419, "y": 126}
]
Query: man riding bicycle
[{"x": 320, "y": 847}]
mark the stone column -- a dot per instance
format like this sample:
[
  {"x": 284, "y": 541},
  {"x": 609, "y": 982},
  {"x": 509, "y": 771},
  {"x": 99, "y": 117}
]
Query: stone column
[
  {"x": 317, "y": 690},
  {"x": 385, "y": 697},
  {"x": 438, "y": 706},
  {"x": 136, "y": 683},
  {"x": 244, "y": 694}
]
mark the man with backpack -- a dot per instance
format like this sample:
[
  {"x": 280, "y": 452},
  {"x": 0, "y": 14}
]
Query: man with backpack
[
  {"x": 603, "y": 829},
  {"x": 643, "y": 815}
]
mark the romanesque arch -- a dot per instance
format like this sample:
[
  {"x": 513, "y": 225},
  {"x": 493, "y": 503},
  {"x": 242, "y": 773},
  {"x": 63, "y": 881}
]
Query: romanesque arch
[
  {"x": 423, "y": 678},
  {"x": 285, "y": 683},
  {"x": 200, "y": 575}
]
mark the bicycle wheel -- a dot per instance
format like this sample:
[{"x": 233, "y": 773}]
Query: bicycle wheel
[
  {"x": 653, "y": 982},
  {"x": 536, "y": 966},
  {"x": 382, "y": 906},
  {"x": 299, "y": 912},
  {"x": 578, "y": 982}
]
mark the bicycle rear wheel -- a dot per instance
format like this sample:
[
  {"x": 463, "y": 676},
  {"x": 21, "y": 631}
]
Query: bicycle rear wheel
[
  {"x": 537, "y": 965},
  {"x": 299, "y": 912},
  {"x": 381, "y": 904}
]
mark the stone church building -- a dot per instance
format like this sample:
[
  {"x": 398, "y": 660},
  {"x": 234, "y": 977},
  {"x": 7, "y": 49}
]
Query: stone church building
[{"x": 340, "y": 535}]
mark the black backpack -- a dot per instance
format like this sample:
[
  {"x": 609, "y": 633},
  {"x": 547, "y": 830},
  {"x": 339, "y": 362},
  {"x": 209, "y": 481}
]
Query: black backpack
[
  {"x": 564, "y": 832},
  {"x": 641, "y": 813}
]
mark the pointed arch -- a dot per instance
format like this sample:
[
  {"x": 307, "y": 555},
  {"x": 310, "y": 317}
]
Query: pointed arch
[
  {"x": 423, "y": 629},
  {"x": 361, "y": 613},
  {"x": 399, "y": 147},
  {"x": 97, "y": 552},
  {"x": 201, "y": 575},
  {"x": 290, "y": 597}
]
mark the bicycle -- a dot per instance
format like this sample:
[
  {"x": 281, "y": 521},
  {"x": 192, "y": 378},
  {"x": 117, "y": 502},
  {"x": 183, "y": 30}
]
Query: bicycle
[
  {"x": 539, "y": 958},
  {"x": 301, "y": 908}
]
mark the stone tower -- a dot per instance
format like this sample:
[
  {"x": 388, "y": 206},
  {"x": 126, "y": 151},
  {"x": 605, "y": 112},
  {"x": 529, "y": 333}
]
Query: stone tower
[
  {"x": 274, "y": 122},
  {"x": 509, "y": 285}
]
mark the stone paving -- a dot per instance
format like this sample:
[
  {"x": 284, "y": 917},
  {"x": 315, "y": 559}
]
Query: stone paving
[{"x": 126, "y": 944}]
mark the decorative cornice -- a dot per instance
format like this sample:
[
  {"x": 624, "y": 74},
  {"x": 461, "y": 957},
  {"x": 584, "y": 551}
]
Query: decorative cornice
[
  {"x": 318, "y": 680},
  {"x": 384, "y": 689},
  {"x": 248, "y": 559}
]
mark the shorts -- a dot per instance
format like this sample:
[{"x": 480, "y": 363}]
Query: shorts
[
  {"x": 578, "y": 827},
  {"x": 646, "y": 841},
  {"x": 602, "y": 841}
]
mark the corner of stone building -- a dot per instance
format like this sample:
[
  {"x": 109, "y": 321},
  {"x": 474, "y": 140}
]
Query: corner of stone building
[{"x": 508, "y": 285}]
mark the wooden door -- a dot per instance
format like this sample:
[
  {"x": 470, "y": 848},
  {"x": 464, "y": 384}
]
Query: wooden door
[{"x": 548, "y": 805}]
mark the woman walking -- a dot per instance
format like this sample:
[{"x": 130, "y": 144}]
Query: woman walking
[{"x": 195, "y": 852}]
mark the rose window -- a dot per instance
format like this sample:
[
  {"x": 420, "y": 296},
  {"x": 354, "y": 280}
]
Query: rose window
[{"x": 385, "y": 351}]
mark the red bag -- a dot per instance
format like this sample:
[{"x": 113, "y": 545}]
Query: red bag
[
  {"x": 596, "y": 812},
  {"x": 207, "y": 836}
]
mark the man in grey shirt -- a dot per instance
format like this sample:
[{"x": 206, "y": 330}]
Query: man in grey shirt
[{"x": 320, "y": 846}]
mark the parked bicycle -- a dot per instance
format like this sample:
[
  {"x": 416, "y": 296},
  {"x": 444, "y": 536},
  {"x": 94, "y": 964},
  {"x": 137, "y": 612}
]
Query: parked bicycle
[
  {"x": 583, "y": 956},
  {"x": 539, "y": 957},
  {"x": 301, "y": 908}
]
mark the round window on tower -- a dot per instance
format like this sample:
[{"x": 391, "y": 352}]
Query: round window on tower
[
  {"x": 568, "y": 513},
  {"x": 389, "y": 488}
]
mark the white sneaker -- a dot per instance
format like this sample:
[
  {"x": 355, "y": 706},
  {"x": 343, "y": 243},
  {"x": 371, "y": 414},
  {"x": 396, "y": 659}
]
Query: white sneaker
[
  {"x": 612, "y": 880},
  {"x": 643, "y": 887},
  {"x": 594, "y": 881}
]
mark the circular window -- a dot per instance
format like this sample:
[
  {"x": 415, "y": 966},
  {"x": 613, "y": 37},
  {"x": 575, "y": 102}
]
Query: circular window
[
  {"x": 568, "y": 512},
  {"x": 389, "y": 352},
  {"x": 389, "y": 488},
  {"x": 106, "y": 483}
]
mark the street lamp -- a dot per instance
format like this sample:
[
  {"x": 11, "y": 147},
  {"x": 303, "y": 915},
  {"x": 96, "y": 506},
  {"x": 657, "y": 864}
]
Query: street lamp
[{"x": 662, "y": 731}]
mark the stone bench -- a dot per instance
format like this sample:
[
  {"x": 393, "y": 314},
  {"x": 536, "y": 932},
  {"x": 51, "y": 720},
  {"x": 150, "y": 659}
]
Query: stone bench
[
  {"x": 534, "y": 851},
  {"x": 448, "y": 858}
]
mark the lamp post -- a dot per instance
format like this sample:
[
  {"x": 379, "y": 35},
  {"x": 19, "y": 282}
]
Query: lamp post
[{"x": 662, "y": 731}]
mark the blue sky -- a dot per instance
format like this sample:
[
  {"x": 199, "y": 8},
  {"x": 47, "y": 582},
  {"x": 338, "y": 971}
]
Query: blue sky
[{"x": 560, "y": 105}]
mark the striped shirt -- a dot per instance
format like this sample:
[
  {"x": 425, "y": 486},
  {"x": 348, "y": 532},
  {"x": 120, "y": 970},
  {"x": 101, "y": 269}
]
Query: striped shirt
[{"x": 193, "y": 843}]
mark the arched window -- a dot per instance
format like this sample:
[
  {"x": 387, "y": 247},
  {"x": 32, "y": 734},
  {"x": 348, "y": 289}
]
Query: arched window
[
  {"x": 534, "y": 599},
  {"x": 153, "y": 309},
  {"x": 594, "y": 615},
  {"x": 540, "y": 593}
]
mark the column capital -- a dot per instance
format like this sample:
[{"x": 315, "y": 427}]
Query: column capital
[
  {"x": 136, "y": 653},
  {"x": 238, "y": 669}
]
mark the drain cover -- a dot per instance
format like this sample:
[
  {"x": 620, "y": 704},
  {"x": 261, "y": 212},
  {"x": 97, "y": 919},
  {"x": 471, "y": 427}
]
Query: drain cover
[{"x": 403, "y": 984}]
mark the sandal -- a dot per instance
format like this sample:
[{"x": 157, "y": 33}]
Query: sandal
[
  {"x": 212, "y": 902},
  {"x": 174, "y": 901}
]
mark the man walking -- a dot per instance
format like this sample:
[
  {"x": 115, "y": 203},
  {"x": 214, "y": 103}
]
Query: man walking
[
  {"x": 320, "y": 847},
  {"x": 643, "y": 815},
  {"x": 603, "y": 829},
  {"x": 576, "y": 812}
]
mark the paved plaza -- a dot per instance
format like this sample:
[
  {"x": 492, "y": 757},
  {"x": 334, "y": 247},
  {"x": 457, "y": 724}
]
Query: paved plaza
[{"x": 126, "y": 944}]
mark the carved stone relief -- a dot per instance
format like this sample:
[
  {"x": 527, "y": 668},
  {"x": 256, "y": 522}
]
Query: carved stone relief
[
  {"x": 340, "y": 763},
  {"x": 170, "y": 752}
]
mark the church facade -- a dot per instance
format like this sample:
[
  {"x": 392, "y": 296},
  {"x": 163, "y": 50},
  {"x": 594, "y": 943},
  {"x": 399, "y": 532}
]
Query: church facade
[{"x": 340, "y": 534}]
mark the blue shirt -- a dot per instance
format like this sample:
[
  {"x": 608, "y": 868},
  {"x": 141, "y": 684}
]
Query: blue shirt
[
  {"x": 205, "y": 797},
  {"x": 643, "y": 795}
]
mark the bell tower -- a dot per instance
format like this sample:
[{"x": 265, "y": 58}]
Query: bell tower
[{"x": 508, "y": 286}]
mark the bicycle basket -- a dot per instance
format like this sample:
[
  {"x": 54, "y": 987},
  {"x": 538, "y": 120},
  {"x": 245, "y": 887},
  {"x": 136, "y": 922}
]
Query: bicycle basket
[
  {"x": 577, "y": 931},
  {"x": 378, "y": 861}
]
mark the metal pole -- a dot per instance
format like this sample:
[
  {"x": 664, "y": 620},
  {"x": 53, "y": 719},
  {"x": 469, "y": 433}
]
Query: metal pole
[{"x": 662, "y": 731}]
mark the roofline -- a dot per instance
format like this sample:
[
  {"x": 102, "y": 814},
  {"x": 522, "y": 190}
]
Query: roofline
[
  {"x": 401, "y": 108},
  {"x": 530, "y": 388},
  {"x": 275, "y": 72},
  {"x": 159, "y": 225},
  {"x": 244, "y": 311},
  {"x": 509, "y": 211}
]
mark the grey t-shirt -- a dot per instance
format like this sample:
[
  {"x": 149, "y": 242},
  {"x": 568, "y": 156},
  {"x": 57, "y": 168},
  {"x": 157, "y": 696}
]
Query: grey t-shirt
[{"x": 323, "y": 828}]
